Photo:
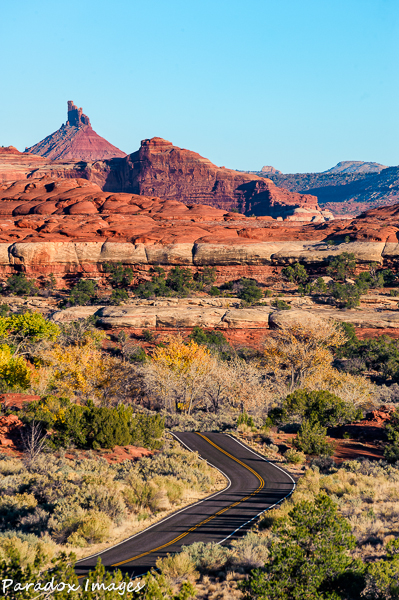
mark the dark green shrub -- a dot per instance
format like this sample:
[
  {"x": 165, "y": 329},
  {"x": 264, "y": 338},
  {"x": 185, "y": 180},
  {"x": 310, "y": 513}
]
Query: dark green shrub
[
  {"x": 391, "y": 451},
  {"x": 280, "y": 304},
  {"x": 147, "y": 335},
  {"x": 214, "y": 291},
  {"x": 312, "y": 439},
  {"x": 342, "y": 266},
  {"x": 83, "y": 293},
  {"x": 208, "y": 338},
  {"x": 319, "y": 406},
  {"x": 4, "y": 310},
  {"x": 249, "y": 291},
  {"x": 295, "y": 274},
  {"x": 19, "y": 285},
  {"x": 120, "y": 276},
  {"x": 245, "y": 419},
  {"x": 310, "y": 557},
  {"x": 346, "y": 295},
  {"x": 118, "y": 296}
]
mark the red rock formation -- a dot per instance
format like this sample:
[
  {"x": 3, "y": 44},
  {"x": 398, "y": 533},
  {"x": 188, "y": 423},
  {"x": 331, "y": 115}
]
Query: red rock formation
[
  {"x": 161, "y": 169},
  {"x": 76, "y": 140}
]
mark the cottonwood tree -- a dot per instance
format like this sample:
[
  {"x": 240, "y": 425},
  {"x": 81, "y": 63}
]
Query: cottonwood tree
[
  {"x": 297, "y": 351},
  {"x": 179, "y": 373}
]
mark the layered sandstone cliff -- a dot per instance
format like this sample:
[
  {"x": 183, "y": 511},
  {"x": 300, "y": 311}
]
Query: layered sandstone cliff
[
  {"x": 71, "y": 226},
  {"x": 76, "y": 141}
]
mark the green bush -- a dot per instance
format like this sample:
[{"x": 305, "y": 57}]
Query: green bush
[
  {"x": 295, "y": 274},
  {"x": 321, "y": 406},
  {"x": 208, "y": 338},
  {"x": 342, "y": 266},
  {"x": 118, "y": 296},
  {"x": 19, "y": 285},
  {"x": 391, "y": 451},
  {"x": 280, "y": 304},
  {"x": 94, "y": 427},
  {"x": 179, "y": 282},
  {"x": 312, "y": 439},
  {"x": 120, "y": 276},
  {"x": 245, "y": 419},
  {"x": 209, "y": 558},
  {"x": 83, "y": 293},
  {"x": 310, "y": 556},
  {"x": 294, "y": 457},
  {"x": 249, "y": 291}
]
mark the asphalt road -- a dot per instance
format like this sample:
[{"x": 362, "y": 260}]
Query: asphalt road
[{"x": 254, "y": 486}]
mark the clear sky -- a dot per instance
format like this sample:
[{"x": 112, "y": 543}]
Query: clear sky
[{"x": 296, "y": 84}]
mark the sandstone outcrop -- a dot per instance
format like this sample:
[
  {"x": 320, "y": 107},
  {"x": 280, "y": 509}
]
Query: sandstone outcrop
[
  {"x": 70, "y": 226},
  {"x": 75, "y": 140}
]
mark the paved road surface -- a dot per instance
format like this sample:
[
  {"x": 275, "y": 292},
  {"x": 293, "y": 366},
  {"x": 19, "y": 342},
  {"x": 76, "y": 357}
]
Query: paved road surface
[{"x": 254, "y": 485}]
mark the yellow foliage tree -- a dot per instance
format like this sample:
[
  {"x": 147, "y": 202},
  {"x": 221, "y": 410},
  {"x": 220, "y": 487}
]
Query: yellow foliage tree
[
  {"x": 179, "y": 372},
  {"x": 14, "y": 371},
  {"x": 84, "y": 372},
  {"x": 297, "y": 351}
]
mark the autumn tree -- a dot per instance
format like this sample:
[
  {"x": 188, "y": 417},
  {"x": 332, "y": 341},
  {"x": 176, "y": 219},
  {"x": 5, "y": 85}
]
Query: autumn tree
[
  {"x": 179, "y": 372},
  {"x": 298, "y": 350}
]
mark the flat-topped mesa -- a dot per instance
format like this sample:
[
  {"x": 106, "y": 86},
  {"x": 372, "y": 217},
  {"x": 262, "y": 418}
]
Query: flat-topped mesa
[
  {"x": 76, "y": 118},
  {"x": 75, "y": 141}
]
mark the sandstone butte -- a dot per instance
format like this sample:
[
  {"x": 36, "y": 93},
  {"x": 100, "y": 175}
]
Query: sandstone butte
[
  {"x": 71, "y": 227},
  {"x": 160, "y": 169},
  {"x": 75, "y": 140}
]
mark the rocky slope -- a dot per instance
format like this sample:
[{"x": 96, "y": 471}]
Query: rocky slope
[
  {"x": 76, "y": 141},
  {"x": 71, "y": 226}
]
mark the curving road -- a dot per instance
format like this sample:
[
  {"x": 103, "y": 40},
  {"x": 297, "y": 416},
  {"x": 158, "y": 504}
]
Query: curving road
[{"x": 255, "y": 485}]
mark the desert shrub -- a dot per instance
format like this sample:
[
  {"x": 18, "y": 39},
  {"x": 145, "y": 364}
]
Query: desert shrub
[
  {"x": 345, "y": 295},
  {"x": 251, "y": 551},
  {"x": 312, "y": 439},
  {"x": 379, "y": 354},
  {"x": 280, "y": 304},
  {"x": 177, "y": 568},
  {"x": 342, "y": 266},
  {"x": 83, "y": 293},
  {"x": 249, "y": 291},
  {"x": 93, "y": 528},
  {"x": 119, "y": 276},
  {"x": 208, "y": 338},
  {"x": 178, "y": 282},
  {"x": 295, "y": 274},
  {"x": 147, "y": 335},
  {"x": 92, "y": 426},
  {"x": 245, "y": 419},
  {"x": 309, "y": 557},
  {"x": 321, "y": 406},
  {"x": 118, "y": 296},
  {"x": 209, "y": 557},
  {"x": 20, "y": 285},
  {"x": 294, "y": 457}
]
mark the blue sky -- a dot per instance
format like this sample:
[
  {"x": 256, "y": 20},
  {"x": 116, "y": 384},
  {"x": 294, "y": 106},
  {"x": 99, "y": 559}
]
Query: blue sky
[{"x": 297, "y": 84}]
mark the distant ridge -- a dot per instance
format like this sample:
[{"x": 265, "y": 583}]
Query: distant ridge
[
  {"x": 355, "y": 166},
  {"x": 76, "y": 140}
]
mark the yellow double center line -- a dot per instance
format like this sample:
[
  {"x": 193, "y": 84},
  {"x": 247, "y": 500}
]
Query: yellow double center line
[{"x": 182, "y": 535}]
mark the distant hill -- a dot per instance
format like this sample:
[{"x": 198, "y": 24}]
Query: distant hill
[
  {"x": 76, "y": 140},
  {"x": 355, "y": 166},
  {"x": 345, "y": 190}
]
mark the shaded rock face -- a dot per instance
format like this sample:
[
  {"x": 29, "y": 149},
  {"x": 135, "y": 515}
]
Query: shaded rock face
[{"x": 76, "y": 140}]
